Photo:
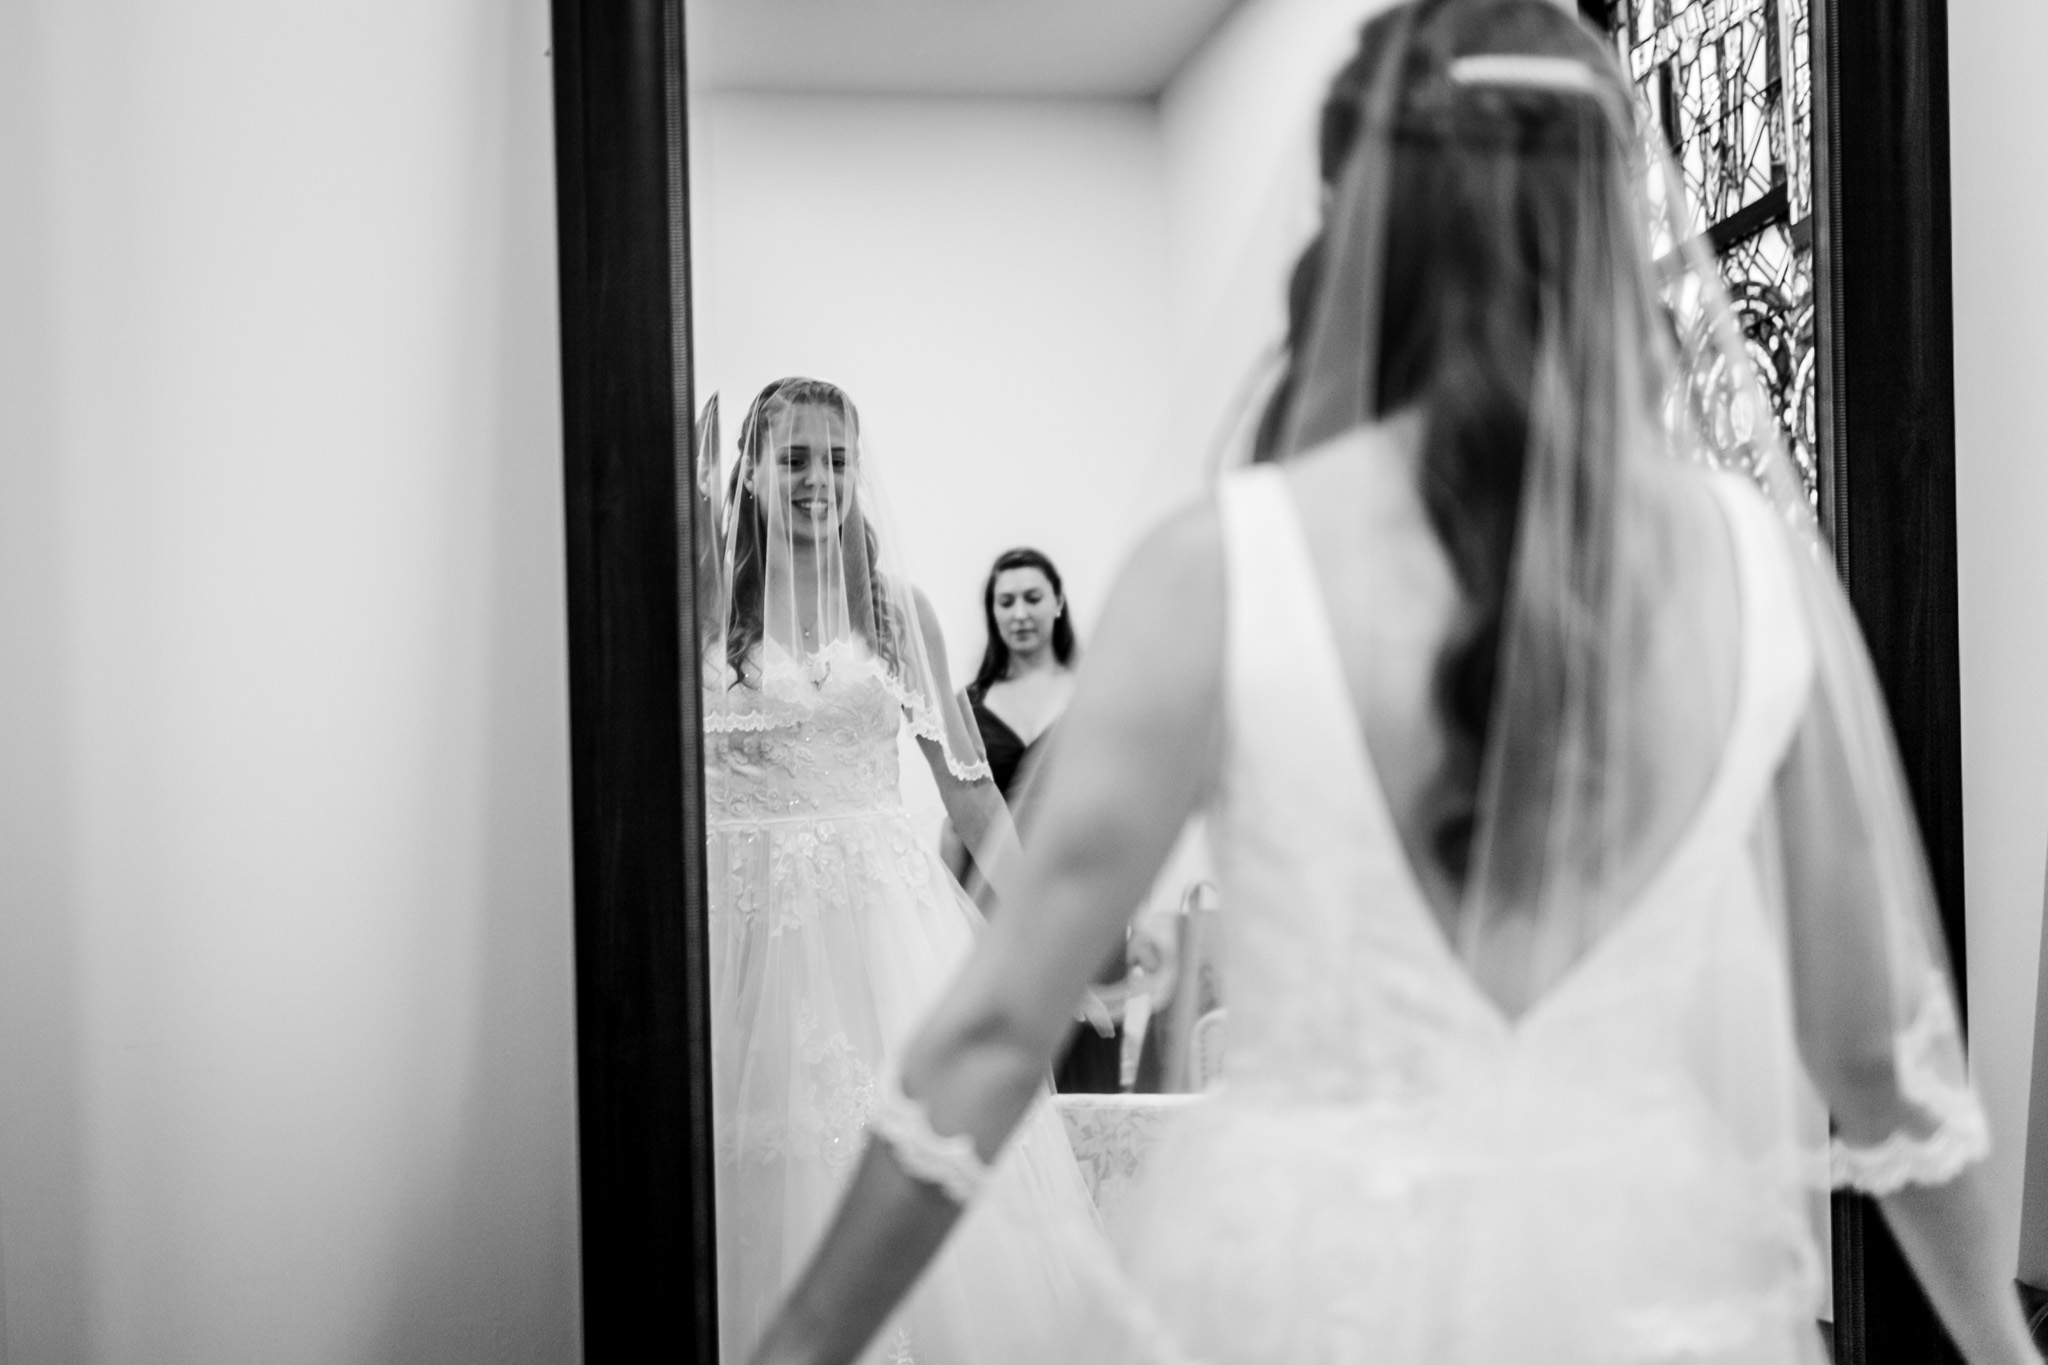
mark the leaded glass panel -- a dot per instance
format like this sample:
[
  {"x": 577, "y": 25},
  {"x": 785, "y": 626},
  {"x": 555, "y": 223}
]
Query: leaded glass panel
[{"x": 1729, "y": 85}]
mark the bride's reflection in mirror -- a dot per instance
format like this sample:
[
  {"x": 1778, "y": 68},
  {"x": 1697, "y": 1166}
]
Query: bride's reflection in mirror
[
  {"x": 989, "y": 280},
  {"x": 833, "y": 923}
]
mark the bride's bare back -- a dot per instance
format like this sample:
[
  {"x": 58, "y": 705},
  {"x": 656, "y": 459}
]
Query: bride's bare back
[{"x": 1395, "y": 608}]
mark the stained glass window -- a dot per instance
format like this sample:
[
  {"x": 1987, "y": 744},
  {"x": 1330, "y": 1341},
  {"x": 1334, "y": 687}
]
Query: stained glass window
[{"x": 1729, "y": 84}]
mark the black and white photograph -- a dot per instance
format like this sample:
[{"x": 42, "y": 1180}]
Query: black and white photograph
[{"x": 981, "y": 682}]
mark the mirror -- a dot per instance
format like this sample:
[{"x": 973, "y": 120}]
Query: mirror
[{"x": 1880, "y": 244}]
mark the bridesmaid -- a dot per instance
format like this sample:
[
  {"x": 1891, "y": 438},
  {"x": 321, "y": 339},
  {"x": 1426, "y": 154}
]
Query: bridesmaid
[
  {"x": 1025, "y": 678},
  {"x": 1018, "y": 693},
  {"x": 1027, "y": 670}
]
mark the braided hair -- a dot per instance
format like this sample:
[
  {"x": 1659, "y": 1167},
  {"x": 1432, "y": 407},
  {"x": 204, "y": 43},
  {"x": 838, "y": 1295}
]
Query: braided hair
[{"x": 1490, "y": 195}]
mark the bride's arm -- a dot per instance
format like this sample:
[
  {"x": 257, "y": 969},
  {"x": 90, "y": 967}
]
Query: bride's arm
[
  {"x": 1138, "y": 753},
  {"x": 1945, "y": 1231},
  {"x": 976, "y": 814},
  {"x": 979, "y": 820},
  {"x": 1857, "y": 906},
  {"x": 953, "y": 851}
]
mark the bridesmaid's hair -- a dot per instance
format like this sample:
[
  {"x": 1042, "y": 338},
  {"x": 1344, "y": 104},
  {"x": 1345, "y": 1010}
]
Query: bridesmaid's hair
[
  {"x": 995, "y": 658},
  {"x": 743, "y": 625},
  {"x": 1484, "y": 211}
]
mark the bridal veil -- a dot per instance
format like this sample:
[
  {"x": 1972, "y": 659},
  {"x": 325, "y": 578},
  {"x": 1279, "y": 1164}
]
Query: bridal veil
[{"x": 1613, "y": 686}]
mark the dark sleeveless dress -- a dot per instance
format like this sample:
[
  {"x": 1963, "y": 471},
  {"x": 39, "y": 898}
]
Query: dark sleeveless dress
[
  {"x": 1004, "y": 749},
  {"x": 1091, "y": 1063}
]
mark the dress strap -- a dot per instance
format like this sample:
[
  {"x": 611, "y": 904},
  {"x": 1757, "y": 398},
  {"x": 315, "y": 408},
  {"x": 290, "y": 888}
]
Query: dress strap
[
  {"x": 1269, "y": 611},
  {"x": 1777, "y": 655}
]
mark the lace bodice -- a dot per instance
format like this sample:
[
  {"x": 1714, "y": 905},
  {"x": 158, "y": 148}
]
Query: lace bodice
[{"x": 816, "y": 738}]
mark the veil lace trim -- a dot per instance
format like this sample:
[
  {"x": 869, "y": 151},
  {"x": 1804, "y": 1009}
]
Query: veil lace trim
[
  {"x": 1902, "y": 1159},
  {"x": 1961, "y": 1136},
  {"x": 950, "y": 1164},
  {"x": 788, "y": 680}
]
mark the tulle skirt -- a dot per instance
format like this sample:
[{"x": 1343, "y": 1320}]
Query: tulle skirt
[
  {"x": 1280, "y": 1233},
  {"x": 830, "y": 939}
]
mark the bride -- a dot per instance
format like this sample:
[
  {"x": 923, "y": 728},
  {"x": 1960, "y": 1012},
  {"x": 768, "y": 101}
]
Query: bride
[
  {"x": 1568, "y": 861},
  {"x": 833, "y": 925}
]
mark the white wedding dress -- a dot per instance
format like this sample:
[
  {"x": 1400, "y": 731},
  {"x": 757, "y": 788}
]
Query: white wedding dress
[
  {"x": 833, "y": 928},
  {"x": 1396, "y": 1173}
]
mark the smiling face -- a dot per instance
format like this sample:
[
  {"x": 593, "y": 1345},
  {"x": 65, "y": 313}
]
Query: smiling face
[
  {"x": 1025, "y": 607},
  {"x": 805, "y": 476}
]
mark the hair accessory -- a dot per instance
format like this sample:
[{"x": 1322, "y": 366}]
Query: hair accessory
[{"x": 1527, "y": 71}]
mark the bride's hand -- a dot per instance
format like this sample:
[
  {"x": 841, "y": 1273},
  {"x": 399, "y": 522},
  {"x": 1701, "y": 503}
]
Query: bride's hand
[
  {"x": 1097, "y": 1014},
  {"x": 1154, "y": 947}
]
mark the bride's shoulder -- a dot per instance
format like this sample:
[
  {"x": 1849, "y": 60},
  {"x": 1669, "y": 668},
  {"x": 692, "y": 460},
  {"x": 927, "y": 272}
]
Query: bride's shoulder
[
  {"x": 901, "y": 593},
  {"x": 1185, "y": 549},
  {"x": 1165, "y": 606},
  {"x": 907, "y": 614},
  {"x": 911, "y": 601},
  {"x": 1687, "y": 508},
  {"x": 1364, "y": 485},
  {"x": 1155, "y": 658}
]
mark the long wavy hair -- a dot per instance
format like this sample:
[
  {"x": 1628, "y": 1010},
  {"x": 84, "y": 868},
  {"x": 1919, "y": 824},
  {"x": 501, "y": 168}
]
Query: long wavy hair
[
  {"x": 748, "y": 547},
  {"x": 995, "y": 657},
  {"x": 1489, "y": 198}
]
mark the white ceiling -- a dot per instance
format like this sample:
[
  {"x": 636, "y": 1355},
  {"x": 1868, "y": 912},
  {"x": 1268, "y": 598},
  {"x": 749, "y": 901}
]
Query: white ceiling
[{"x": 946, "y": 47}]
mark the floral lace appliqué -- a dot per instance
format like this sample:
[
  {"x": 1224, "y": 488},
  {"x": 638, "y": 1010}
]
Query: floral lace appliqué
[
  {"x": 899, "y": 1352},
  {"x": 845, "y": 708},
  {"x": 837, "y": 1096}
]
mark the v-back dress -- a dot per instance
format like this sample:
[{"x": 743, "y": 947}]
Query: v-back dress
[
  {"x": 1394, "y": 1172},
  {"x": 833, "y": 929}
]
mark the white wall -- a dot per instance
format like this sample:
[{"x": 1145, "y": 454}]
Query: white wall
[
  {"x": 1103, "y": 274},
  {"x": 285, "y": 1027},
  {"x": 986, "y": 278},
  {"x": 1999, "y": 202},
  {"x": 1238, "y": 125}
]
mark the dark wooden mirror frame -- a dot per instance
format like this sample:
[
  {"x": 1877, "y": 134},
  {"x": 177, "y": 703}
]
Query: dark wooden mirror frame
[{"x": 643, "y": 1026}]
